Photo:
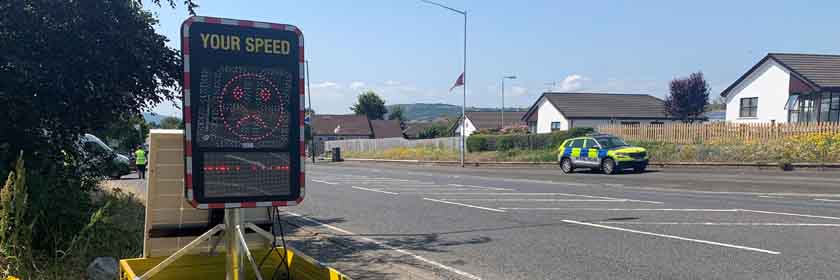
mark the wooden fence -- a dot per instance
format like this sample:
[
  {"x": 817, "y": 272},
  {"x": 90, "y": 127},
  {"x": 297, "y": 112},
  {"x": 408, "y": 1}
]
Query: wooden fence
[{"x": 680, "y": 133}]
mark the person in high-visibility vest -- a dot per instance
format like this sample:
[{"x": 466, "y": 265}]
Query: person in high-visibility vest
[{"x": 140, "y": 161}]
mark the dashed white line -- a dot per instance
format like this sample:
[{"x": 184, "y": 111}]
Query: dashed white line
[
  {"x": 791, "y": 214},
  {"x": 324, "y": 182},
  {"x": 465, "y": 205},
  {"x": 534, "y": 199},
  {"x": 374, "y": 190},
  {"x": 546, "y": 194},
  {"x": 480, "y": 187},
  {"x": 724, "y": 224},
  {"x": 625, "y": 209},
  {"x": 828, "y": 200},
  {"x": 389, "y": 247},
  {"x": 674, "y": 237}
]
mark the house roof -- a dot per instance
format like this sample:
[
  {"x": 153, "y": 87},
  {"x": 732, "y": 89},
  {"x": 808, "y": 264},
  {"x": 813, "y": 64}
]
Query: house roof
[
  {"x": 386, "y": 129},
  {"x": 579, "y": 105},
  {"x": 820, "y": 71},
  {"x": 341, "y": 125},
  {"x": 492, "y": 120}
]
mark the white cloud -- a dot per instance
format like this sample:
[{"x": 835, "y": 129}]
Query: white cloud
[
  {"x": 355, "y": 85},
  {"x": 572, "y": 82},
  {"x": 392, "y": 83},
  {"x": 519, "y": 91},
  {"x": 326, "y": 84}
]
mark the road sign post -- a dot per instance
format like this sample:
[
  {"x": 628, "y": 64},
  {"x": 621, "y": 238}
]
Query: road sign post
[{"x": 243, "y": 118}]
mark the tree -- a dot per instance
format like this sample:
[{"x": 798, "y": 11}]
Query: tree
[
  {"x": 67, "y": 68},
  {"x": 74, "y": 66},
  {"x": 371, "y": 105},
  {"x": 171, "y": 123},
  {"x": 718, "y": 104},
  {"x": 688, "y": 97},
  {"x": 396, "y": 114},
  {"x": 125, "y": 134}
]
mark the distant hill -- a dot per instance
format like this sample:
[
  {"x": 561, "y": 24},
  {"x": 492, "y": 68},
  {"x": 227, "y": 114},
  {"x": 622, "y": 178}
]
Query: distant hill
[
  {"x": 426, "y": 111},
  {"x": 153, "y": 117}
]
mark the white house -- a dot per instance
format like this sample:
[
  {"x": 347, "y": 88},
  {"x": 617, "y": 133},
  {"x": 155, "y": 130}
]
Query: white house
[
  {"x": 786, "y": 88},
  {"x": 488, "y": 120},
  {"x": 561, "y": 111}
]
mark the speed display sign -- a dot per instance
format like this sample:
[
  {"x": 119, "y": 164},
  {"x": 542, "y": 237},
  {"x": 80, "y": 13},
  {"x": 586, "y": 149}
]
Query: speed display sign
[{"x": 243, "y": 113}]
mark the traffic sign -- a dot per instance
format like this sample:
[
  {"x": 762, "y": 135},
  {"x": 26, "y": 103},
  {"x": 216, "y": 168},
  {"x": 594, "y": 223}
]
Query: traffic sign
[{"x": 243, "y": 113}]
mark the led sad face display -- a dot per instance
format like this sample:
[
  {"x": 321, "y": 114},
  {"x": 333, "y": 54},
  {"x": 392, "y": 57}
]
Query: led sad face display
[{"x": 243, "y": 113}]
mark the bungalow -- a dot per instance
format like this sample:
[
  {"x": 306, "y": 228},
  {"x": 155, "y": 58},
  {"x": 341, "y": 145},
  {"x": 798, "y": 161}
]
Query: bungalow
[
  {"x": 342, "y": 127},
  {"x": 562, "y": 111},
  {"x": 487, "y": 120},
  {"x": 785, "y": 87}
]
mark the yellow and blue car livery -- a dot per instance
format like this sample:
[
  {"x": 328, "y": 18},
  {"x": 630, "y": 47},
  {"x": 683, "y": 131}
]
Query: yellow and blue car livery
[{"x": 601, "y": 151}]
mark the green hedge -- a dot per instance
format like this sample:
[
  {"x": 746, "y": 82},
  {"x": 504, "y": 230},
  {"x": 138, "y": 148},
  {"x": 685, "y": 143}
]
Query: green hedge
[{"x": 480, "y": 142}]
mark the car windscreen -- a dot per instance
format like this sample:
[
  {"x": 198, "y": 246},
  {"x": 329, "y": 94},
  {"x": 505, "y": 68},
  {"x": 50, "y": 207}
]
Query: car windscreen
[{"x": 610, "y": 142}]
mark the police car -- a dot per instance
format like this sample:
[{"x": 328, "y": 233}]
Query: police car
[{"x": 601, "y": 152}]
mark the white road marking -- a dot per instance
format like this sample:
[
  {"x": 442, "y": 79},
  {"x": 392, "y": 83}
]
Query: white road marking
[
  {"x": 389, "y": 247},
  {"x": 535, "y": 199},
  {"x": 674, "y": 237},
  {"x": 325, "y": 182},
  {"x": 420, "y": 189},
  {"x": 480, "y": 187},
  {"x": 791, "y": 214},
  {"x": 829, "y": 200},
  {"x": 548, "y": 194},
  {"x": 374, "y": 190},
  {"x": 465, "y": 205},
  {"x": 626, "y": 209},
  {"x": 724, "y": 224},
  {"x": 767, "y": 196}
]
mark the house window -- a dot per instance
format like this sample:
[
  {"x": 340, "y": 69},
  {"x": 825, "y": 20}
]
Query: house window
[
  {"x": 830, "y": 107},
  {"x": 807, "y": 112},
  {"x": 630, "y": 123},
  {"x": 657, "y": 123},
  {"x": 556, "y": 126},
  {"x": 749, "y": 107}
]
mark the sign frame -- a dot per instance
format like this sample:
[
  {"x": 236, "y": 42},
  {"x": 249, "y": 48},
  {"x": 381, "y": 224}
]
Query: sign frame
[{"x": 194, "y": 177}]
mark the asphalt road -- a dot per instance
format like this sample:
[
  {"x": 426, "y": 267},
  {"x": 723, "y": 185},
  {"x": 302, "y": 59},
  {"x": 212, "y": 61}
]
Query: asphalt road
[{"x": 524, "y": 223}]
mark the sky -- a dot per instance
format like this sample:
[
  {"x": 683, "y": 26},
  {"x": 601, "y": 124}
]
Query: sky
[{"x": 411, "y": 52}]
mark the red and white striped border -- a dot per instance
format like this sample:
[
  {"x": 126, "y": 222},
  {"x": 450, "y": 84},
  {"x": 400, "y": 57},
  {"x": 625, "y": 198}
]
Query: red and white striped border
[{"x": 185, "y": 28}]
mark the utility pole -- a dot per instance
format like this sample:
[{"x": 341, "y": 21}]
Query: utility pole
[{"x": 464, "y": 72}]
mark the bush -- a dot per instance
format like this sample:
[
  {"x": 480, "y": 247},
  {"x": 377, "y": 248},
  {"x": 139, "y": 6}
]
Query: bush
[{"x": 523, "y": 141}]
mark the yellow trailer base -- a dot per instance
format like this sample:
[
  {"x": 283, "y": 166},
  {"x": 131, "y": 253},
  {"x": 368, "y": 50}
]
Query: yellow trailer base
[{"x": 197, "y": 267}]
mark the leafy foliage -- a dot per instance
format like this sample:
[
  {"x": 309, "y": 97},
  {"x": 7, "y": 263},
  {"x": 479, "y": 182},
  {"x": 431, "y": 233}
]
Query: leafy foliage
[
  {"x": 15, "y": 230},
  {"x": 371, "y": 105},
  {"x": 435, "y": 131},
  {"x": 505, "y": 142},
  {"x": 171, "y": 123},
  {"x": 396, "y": 114},
  {"x": 125, "y": 134},
  {"x": 688, "y": 97}
]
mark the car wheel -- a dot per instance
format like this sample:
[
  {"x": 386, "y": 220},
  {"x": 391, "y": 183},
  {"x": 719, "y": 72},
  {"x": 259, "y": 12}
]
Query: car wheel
[
  {"x": 639, "y": 169},
  {"x": 566, "y": 165},
  {"x": 608, "y": 166}
]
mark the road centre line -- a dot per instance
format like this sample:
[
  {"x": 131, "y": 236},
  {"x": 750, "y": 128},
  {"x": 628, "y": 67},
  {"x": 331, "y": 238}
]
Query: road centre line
[
  {"x": 829, "y": 200},
  {"x": 420, "y": 189},
  {"x": 374, "y": 190},
  {"x": 724, "y": 224},
  {"x": 673, "y": 237},
  {"x": 389, "y": 247},
  {"x": 535, "y": 199},
  {"x": 325, "y": 182},
  {"x": 622, "y": 209},
  {"x": 464, "y": 204}
]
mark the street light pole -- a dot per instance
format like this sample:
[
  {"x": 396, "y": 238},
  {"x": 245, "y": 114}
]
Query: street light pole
[
  {"x": 502, "y": 125},
  {"x": 464, "y": 72}
]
